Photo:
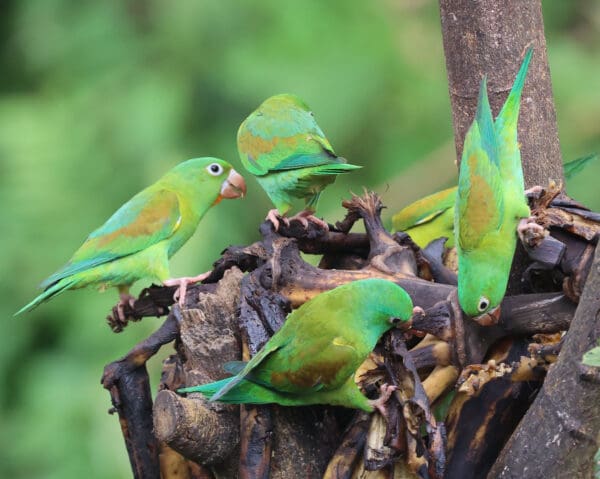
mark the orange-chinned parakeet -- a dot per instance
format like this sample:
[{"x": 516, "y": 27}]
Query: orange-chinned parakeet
[
  {"x": 490, "y": 202},
  {"x": 313, "y": 357},
  {"x": 432, "y": 217},
  {"x": 281, "y": 144},
  {"x": 138, "y": 240}
]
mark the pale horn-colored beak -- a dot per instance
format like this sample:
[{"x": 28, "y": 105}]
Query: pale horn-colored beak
[
  {"x": 490, "y": 318},
  {"x": 234, "y": 186}
]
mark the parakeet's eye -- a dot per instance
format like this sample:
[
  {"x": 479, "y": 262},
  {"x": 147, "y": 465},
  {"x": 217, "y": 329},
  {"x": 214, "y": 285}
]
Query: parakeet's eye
[
  {"x": 214, "y": 169},
  {"x": 393, "y": 320},
  {"x": 484, "y": 304}
]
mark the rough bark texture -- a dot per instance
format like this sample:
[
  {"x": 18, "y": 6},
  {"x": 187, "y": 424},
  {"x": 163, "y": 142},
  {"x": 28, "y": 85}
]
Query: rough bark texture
[
  {"x": 490, "y": 38},
  {"x": 207, "y": 433},
  {"x": 564, "y": 420}
]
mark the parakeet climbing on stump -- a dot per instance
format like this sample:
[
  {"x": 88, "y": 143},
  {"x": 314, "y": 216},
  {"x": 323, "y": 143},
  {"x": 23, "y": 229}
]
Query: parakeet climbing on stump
[
  {"x": 281, "y": 144},
  {"x": 313, "y": 357},
  {"x": 138, "y": 240},
  {"x": 490, "y": 203}
]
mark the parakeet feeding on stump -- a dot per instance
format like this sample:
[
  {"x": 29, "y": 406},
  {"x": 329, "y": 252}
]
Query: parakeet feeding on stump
[
  {"x": 138, "y": 240},
  {"x": 281, "y": 144},
  {"x": 313, "y": 357},
  {"x": 490, "y": 202}
]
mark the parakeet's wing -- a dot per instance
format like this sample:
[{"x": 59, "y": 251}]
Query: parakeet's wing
[
  {"x": 480, "y": 203},
  {"x": 324, "y": 362},
  {"x": 289, "y": 366},
  {"x": 424, "y": 210},
  {"x": 149, "y": 217}
]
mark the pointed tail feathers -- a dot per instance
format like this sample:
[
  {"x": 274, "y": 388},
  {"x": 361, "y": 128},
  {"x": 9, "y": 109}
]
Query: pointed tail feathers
[
  {"x": 510, "y": 111},
  {"x": 53, "y": 290},
  {"x": 241, "y": 392}
]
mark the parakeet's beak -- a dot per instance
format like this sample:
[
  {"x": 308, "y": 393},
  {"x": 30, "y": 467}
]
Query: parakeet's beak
[
  {"x": 418, "y": 314},
  {"x": 234, "y": 186},
  {"x": 490, "y": 318}
]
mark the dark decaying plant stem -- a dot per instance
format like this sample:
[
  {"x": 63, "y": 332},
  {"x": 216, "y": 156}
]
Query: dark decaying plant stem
[
  {"x": 207, "y": 336},
  {"x": 565, "y": 418}
]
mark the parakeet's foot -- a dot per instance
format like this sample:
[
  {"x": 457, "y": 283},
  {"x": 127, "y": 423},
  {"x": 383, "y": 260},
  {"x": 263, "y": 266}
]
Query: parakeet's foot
[
  {"x": 179, "y": 295},
  {"x": 273, "y": 216},
  {"x": 530, "y": 232},
  {"x": 534, "y": 192},
  {"x": 305, "y": 216},
  {"x": 125, "y": 299},
  {"x": 386, "y": 391}
]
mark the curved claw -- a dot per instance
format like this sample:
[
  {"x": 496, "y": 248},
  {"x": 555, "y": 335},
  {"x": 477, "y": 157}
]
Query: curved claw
[
  {"x": 529, "y": 231},
  {"x": 179, "y": 295},
  {"x": 273, "y": 216},
  {"x": 386, "y": 391},
  {"x": 125, "y": 299},
  {"x": 305, "y": 216}
]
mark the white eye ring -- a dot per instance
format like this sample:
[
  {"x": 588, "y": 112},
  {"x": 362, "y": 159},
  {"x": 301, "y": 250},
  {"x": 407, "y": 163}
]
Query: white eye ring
[
  {"x": 214, "y": 169},
  {"x": 484, "y": 304}
]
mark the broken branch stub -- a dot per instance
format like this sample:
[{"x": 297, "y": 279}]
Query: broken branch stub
[{"x": 207, "y": 433}]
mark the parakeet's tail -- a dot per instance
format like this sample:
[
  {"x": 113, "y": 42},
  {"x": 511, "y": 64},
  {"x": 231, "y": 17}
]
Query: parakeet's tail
[
  {"x": 53, "y": 290},
  {"x": 334, "y": 169},
  {"x": 243, "y": 392},
  {"x": 510, "y": 111}
]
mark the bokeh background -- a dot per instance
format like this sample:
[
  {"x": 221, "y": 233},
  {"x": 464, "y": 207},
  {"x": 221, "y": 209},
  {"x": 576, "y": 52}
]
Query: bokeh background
[{"x": 99, "y": 98}]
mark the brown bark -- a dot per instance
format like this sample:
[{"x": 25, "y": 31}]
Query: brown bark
[
  {"x": 207, "y": 433},
  {"x": 564, "y": 420}
]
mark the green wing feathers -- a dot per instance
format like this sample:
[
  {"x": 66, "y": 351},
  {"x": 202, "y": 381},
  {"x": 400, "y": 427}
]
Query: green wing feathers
[
  {"x": 479, "y": 202},
  {"x": 282, "y": 145},
  {"x": 148, "y": 218}
]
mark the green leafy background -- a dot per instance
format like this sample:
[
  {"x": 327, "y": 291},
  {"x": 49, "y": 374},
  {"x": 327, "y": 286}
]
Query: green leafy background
[{"x": 100, "y": 98}]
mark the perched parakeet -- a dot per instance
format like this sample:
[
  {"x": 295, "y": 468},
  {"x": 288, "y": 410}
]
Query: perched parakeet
[
  {"x": 138, "y": 240},
  {"x": 281, "y": 144},
  {"x": 428, "y": 218},
  {"x": 432, "y": 217},
  {"x": 490, "y": 202},
  {"x": 313, "y": 357}
]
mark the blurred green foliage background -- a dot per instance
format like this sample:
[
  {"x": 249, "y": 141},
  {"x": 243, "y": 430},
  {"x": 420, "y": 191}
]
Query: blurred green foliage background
[{"x": 99, "y": 98}]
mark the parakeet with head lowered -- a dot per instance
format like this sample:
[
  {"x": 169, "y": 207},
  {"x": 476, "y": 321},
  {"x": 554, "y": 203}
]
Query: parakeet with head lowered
[
  {"x": 281, "y": 144},
  {"x": 432, "y": 217},
  {"x": 313, "y": 357},
  {"x": 138, "y": 240},
  {"x": 490, "y": 202}
]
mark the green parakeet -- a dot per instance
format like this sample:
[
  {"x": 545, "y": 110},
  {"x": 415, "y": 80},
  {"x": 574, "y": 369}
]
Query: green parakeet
[
  {"x": 281, "y": 144},
  {"x": 432, "y": 217},
  {"x": 490, "y": 202},
  {"x": 428, "y": 218},
  {"x": 313, "y": 357},
  {"x": 138, "y": 240}
]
